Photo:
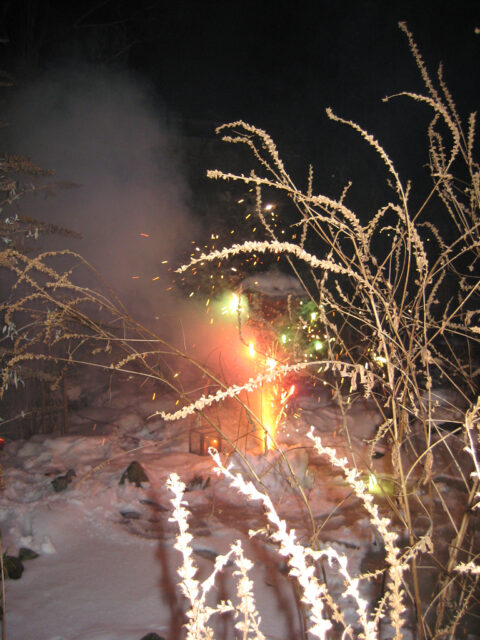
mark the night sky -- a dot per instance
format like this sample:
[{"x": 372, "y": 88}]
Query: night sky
[
  {"x": 269, "y": 61},
  {"x": 277, "y": 65}
]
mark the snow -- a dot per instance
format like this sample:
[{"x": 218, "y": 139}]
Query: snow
[
  {"x": 107, "y": 567},
  {"x": 273, "y": 283}
]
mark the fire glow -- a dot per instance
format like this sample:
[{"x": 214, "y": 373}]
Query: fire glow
[
  {"x": 234, "y": 304},
  {"x": 273, "y": 398},
  {"x": 274, "y": 404}
]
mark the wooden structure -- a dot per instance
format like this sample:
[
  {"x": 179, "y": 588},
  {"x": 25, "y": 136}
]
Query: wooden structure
[{"x": 201, "y": 437}]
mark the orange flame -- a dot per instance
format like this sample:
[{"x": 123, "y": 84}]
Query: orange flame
[
  {"x": 273, "y": 398},
  {"x": 274, "y": 404}
]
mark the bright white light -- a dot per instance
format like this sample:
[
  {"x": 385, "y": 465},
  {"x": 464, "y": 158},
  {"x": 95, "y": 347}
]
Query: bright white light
[
  {"x": 234, "y": 305},
  {"x": 271, "y": 363}
]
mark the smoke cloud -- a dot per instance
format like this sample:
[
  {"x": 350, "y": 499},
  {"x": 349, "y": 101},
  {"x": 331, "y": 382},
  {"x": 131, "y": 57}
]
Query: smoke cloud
[{"x": 107, "y": 133}]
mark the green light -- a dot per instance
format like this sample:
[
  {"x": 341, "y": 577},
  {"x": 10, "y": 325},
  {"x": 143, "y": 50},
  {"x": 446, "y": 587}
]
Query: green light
[
  {"x": 318, "y": 346},
  {"x": 284, "y": 338},
  {"x": 380, "y": 486},
  {"x": 232, "y": 304},
  {"x": 313, "y": 316}
]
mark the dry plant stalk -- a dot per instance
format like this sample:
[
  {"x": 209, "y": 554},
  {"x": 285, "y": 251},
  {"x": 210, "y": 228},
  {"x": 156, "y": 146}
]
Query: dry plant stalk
[
  {"x": 246, "y": 616},
  {"x": 403, "y": 311},
  {"x": 409, "y": 305},
  {"x": 302, "y": 561}
]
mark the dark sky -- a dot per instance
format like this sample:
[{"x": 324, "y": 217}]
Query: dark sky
[
  {"x": 277, "y": 65},
  {"x": 264, "y": 60}
]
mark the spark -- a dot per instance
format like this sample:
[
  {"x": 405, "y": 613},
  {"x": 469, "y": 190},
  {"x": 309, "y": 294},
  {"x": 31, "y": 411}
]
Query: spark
[
  {"x": 145, "y": 235},
  {"x": 270, "y": 363},
  {"x": 285, "y": 395},
  {"x": 234, "y": 305},
  {"x": 274, "y": 403}
]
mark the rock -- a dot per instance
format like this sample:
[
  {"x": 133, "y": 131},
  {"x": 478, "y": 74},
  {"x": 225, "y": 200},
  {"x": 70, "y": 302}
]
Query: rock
[
  {"x": 25, "y": 553},
  {"x": 131, "y": 515},
  {"x": 12, "y": 567},
  {"x": 156, "y": 506},
  {"x": 197, "y": 482},
  {"x": 209, "y": 554},
  {"x": 61, "y": 482},
  {"x": 135, "y": 474}
]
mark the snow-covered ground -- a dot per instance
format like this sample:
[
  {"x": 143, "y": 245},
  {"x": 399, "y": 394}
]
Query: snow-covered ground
[{"x": 107, "y": 567}]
